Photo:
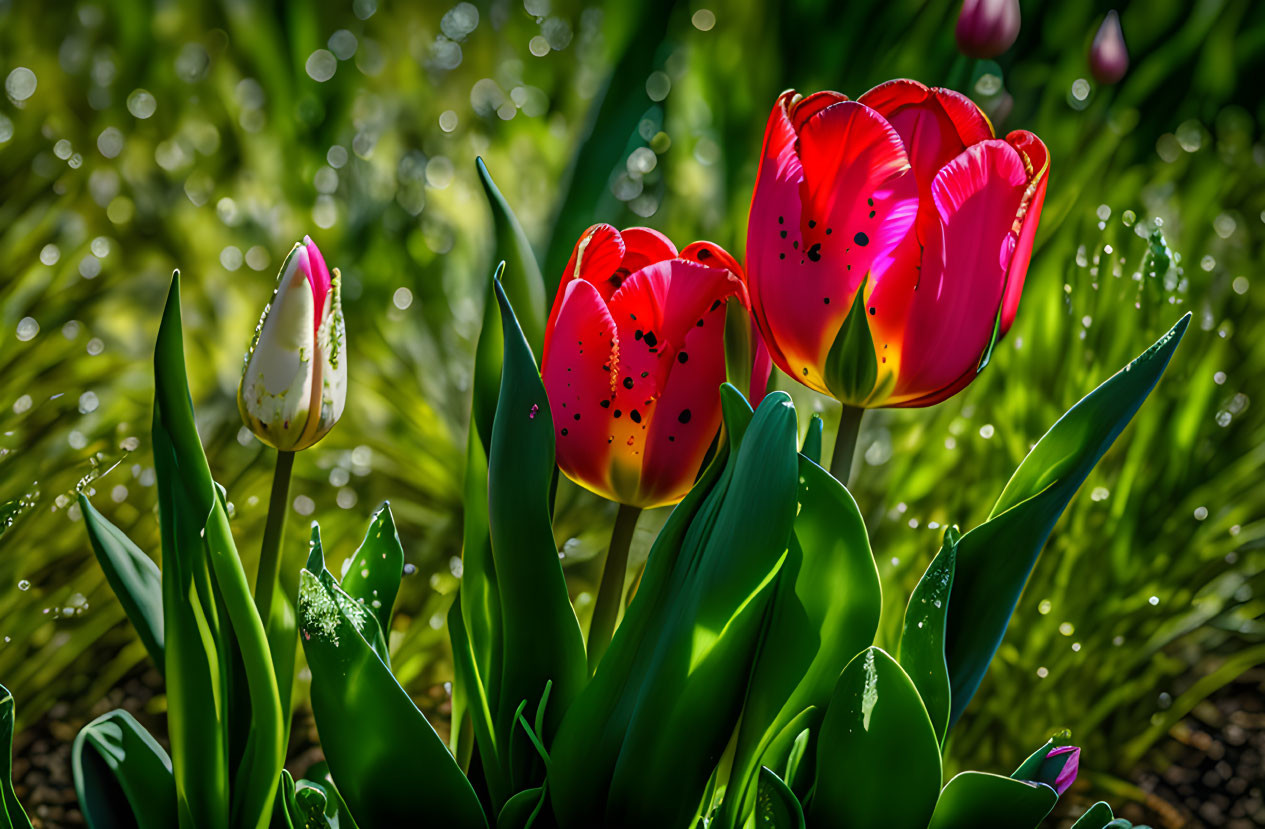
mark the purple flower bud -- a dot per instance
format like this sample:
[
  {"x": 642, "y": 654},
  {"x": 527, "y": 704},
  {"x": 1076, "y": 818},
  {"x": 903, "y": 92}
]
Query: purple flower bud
[
  {"x": 1108, "y": 57},
  {"x": 986, "y": 28},
  {"x": 1065, "y": 776}
]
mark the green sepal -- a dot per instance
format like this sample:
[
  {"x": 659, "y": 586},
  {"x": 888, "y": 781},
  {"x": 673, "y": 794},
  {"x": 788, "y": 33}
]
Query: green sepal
[
  {"x": 132, "y": 575},
  {"x": 851, "y": 364}
]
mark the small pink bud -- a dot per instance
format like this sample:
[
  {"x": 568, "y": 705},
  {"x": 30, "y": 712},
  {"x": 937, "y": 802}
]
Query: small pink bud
[
  {"x": 986, "y": 28},
  {"x": 1066, "y": 776},
  {"x": 1108, "y": 57}
]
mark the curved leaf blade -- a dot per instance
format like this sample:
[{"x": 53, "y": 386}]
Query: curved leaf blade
[
  {"x": 776, "y": 805},
  {"x": 1097, "y": 816},
  {"x": 922, "y": 638},
  {"x": 878, "y": 759},
  {"x": 378, "y": 745},
  {"x": 120, "y": 769},
  {"x": 132, "y": 575},
  {"x": 826, "y": 611},
  {"x": 11, "y": 812},
  {"x": 373, "y": 576},
  {"x": 695, "y": 668},
  {"x": 523, "y": 283},
  {"x": 541, "y": 636},
  {"x": 995, "y": 558},
  {"x": 978, "y": 800}
]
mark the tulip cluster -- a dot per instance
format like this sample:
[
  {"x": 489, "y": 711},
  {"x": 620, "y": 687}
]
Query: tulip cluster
[{"x": 887, "y": 246}]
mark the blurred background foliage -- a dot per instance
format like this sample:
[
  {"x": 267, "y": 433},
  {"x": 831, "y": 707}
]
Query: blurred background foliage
[{"x": 138, "y": 137}]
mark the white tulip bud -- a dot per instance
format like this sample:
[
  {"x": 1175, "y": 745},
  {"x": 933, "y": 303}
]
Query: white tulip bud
[{"x": 295, "y": 381}]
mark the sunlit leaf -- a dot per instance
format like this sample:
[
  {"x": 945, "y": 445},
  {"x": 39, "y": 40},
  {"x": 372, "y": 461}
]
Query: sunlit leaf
[
  {"x": 995, "y": 558},
  {"x": 976, "y": 800},
  {"x": 374, "y": 573},
  {"x": 878, "y": 759},
  {"x": 922, "y": 638},
  {"x": 379, "y": 746},
  {"x": 690, "y": 663},
  {"x": 825, "y": 612}
]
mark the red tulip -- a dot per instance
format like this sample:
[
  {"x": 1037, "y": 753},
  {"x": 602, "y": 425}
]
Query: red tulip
[
  {"x": 986, "y": 28},
  {"x": 633, "y": 362},
  {"x": 888, "y": 240}
]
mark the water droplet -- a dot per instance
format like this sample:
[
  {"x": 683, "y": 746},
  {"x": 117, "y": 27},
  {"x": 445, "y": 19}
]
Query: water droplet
[{"x": 24, "y": 585}]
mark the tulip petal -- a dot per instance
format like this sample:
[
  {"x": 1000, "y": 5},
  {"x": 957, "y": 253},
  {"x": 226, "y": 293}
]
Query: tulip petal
[
  {"x": 317, "y": 275},
  {"x": 859, "y": 201},
  {"x": 967, "y": 254},
  {"x": 643, "y": 246},
  {"x": 799, "y": 111},
  {"x": 774, "y": 203},
  {"x": 595, "y": 258},
  {"x": 1037, "y": 160},
  {"x": 687, "y": 413},
  {"x": 579, "y": 375},
  {"x": 654, "y": 311},
  {"x": 936, "y": 125}
]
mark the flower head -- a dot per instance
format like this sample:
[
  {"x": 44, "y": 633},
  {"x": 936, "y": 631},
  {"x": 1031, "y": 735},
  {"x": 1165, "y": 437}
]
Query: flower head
[{"x": 294, "y": 384}]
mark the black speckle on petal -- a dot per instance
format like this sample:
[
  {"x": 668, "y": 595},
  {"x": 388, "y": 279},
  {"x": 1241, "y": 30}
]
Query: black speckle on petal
[
  {"x": 814, "y": 252},
  {"x": 684, "y": 416},
  {"x": 861, "y": 239}
]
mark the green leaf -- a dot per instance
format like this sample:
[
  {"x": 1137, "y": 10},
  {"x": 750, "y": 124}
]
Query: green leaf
[
  {"x": 373, "y": 576},
  {"x": 812, "y": 439},
  {"x": 540, "y": 633},
  {"x": 522, "y": 281},
  {"x": 678, "y": 663},
  {"x": 12, "y": 815},
  {"x": 825, "y": 611},
  {"x": 922, "y": 638},
  {"x": 196, "y": 667},
  {"x": 195, "y": 520},
  {"x": 995, "y": 559},
  {"x": 1097, "y": 816},
  {"x": 977, "y": 800},
  {"x": 122, "y": 775},
  {"x": 379, "y": 747},
  {"x": 851, "y": 364},
  {"x": 587, "y": 745},
  {"x": 477, "y": 663},
  {"x": 132, "y": 575},
  {"x": 695, "y": 668},
  {"x": 521, "y": 810},
  {"x": 307, "y": 804},
  {"x": 878, "y": 759},
  {"x": 776, "y": 805}
]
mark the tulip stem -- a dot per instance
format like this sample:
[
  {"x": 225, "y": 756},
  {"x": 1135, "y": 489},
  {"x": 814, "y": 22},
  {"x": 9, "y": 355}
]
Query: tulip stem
[
  {"x": 611, "y": 592},
  {"x": 846, "y": 443},
  {"x": 270, "y": 551}
]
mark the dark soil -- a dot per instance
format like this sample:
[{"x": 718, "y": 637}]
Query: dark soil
[{"x": 1209, "y": 773}]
